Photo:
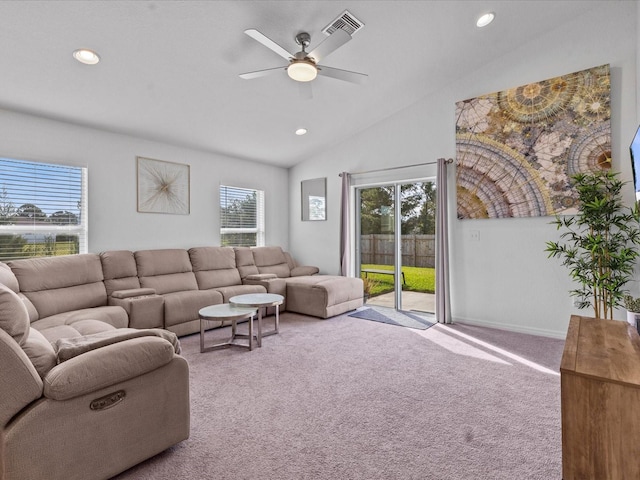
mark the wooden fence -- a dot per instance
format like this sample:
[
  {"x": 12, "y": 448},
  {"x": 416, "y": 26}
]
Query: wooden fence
[{"x": 417, "y": 250}]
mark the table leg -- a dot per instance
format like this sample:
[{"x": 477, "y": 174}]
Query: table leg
[
  {"x": 251, "y": 333},
  {"x": 260, "y": 326},
  {"x": 201, "y": 335}
]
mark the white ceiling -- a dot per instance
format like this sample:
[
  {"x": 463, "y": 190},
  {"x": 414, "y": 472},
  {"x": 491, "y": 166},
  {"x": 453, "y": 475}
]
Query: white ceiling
[{"x": 169, "y": 69}]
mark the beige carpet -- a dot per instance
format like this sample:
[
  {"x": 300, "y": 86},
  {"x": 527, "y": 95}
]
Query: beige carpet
[{"x": 347, "y": 398}]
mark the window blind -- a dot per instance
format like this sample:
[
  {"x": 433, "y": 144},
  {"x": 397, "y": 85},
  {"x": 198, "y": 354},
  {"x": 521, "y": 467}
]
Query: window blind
[
  {"x": 43, "y": 209},
  {"x": 241, "y": 217}
]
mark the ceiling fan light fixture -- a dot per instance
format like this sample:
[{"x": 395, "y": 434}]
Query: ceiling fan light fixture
[{"x": 302, "y": 71}]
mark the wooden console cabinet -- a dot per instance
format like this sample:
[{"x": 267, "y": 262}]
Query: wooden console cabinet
[{"x": 600, "y": 388}]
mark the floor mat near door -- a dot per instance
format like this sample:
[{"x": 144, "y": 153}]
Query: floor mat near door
[{"x": 395, "y": 317}]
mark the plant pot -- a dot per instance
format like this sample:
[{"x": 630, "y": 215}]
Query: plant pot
[{"x": 633, "y": 318}]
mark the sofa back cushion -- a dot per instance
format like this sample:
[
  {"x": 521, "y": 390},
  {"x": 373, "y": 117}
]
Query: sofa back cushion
[
  {"x": 61, "y": 284},
  {"x": 14, "y": 318},
  {"x": 165, "y": 270},
  {"x": 244, "y": 262},
  {"x": 7, "y": 278},
  {"x": 271, "y": 260},
  {"x": 119, "y": 270},
  {"x": 214, "y": 267}
]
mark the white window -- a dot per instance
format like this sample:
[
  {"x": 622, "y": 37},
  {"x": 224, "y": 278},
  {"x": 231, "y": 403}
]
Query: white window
[
  {"x": 241, "y": 217},
  {"x": 43, "y": 209}
]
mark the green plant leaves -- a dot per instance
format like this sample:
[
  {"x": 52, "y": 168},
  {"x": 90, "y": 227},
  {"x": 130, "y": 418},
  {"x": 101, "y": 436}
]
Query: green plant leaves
[{"x": 599, "y": 246}]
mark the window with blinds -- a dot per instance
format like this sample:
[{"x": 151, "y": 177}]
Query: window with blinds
[
  {"x": 43, "y": 209},
  {"x": 241, "y": 217}
]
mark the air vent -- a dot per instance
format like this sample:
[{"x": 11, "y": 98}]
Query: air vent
[{"x": 345, "y": 21}]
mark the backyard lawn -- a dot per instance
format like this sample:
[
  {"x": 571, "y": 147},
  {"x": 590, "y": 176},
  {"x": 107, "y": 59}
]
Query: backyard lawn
[{"x": 417, "y": 279}]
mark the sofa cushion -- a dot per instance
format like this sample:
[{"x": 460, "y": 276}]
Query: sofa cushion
[
  {"x": 304, "y": 270},
  {"x": 61, "y": 284},
  {"x": 40, "y": 352},
  {"x": 180, "y": 307},
  {"x": 8, "y": 278},
  {"x": 14, "y": 318},
  {"x": 82, "y": 327},
  {"x": 120, "y": 270},
  {"x": 113, "y": 315},
  {"x": 244, "y": 262},
  {"x": 48, "y": 273},
  {"x": 166, "y": 271},
  {"x": 174, "y": 282},
  {"x": 271, "y": 260},
  {"x": 214, "y": 267},
  {"x": 162, "y": 262}
]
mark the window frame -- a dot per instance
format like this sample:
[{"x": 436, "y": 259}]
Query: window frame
[
  {"x": 80, "y": 230},
  {"x": 259, "y": 229}
]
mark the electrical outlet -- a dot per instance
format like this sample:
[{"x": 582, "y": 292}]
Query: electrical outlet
[{"x": 474, "y": 235}]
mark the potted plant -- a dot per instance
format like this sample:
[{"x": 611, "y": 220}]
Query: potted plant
[
  {"x": 599, "y": 245},
  {"x": 632, "y": 305}
]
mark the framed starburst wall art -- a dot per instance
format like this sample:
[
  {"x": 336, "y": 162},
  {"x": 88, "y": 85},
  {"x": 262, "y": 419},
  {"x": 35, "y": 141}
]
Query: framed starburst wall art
[
  {"x": 516, "y": 150},
  {"x": 163, "y": 187}
]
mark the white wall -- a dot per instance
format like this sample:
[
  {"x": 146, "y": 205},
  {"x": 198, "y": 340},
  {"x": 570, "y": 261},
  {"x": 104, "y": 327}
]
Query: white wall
[
  {"x": 505, "y": 279},
  {"x": 114, "y": 222}
]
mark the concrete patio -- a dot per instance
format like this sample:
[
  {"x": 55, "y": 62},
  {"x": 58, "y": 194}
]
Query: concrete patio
[{"x": 418, "y": 301}]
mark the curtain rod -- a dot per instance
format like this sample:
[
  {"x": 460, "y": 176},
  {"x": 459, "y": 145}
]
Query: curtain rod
[{"x": 450, "y": 160}]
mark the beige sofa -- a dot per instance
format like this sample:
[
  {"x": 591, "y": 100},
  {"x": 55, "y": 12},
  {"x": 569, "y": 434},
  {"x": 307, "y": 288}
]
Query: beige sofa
[
  {"x": 80, "y": 398},
  {"x": 166, "y": 288},
  {"x": 122, "y": 395}
]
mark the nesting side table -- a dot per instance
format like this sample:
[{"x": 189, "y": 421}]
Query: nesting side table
[
  {"x": 234, "y": 313},
  {"x": 260, "y": 301}
]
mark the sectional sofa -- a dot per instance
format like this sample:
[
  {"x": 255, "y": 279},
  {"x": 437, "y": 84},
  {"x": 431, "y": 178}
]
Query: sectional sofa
[
  {"x": 166, "y": 288},
  {"x": 91, "y": 379}
]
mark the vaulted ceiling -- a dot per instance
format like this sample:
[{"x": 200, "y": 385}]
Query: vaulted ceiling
[{"x": 169, "y": 69}]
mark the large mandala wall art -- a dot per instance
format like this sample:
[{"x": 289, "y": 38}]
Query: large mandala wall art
[{"x": 516, "y": 150}]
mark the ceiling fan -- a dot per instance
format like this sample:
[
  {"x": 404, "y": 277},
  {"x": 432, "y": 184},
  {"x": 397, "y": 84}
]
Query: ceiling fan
[{"x": 304, "y": 66}]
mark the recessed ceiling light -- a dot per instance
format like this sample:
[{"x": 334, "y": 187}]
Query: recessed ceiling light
[
  {"x": 485, "y": 19},
  {"x": 301, "y": 131},
  {"x": 86, "y": 56}
]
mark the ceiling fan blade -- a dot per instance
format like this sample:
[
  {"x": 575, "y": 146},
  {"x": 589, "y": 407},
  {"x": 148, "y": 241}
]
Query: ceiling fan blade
[
  {"x": 261, "y": 73},
  {"x": 332, "y": 43},
  {"x": 267, "y": 42},
  {"x": 346, "y": 75}
]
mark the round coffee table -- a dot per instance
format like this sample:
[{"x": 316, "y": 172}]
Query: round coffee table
[
  {"x": 224, "y": 312},
  {"x": 260, "y": 300}
]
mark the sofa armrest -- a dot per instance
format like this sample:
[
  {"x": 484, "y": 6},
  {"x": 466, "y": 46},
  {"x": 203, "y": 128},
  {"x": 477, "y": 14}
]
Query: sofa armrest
[
  {"x": 145, "y": 311},
  {"x": 261, "y": 276},
  {"x": 67, "y": 348},
  {"x": 303, "y": 271},
  {"x": 272, "y": 284},
  {"x": 133, "y": 292},
  {"x": 106, "y": 366}
]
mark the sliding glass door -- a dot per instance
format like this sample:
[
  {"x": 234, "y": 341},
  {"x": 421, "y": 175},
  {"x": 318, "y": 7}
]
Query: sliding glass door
[{"x": 396, "y": 249}]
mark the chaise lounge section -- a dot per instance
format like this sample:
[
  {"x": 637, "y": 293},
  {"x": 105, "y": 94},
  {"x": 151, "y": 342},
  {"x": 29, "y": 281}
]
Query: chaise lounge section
[{"x": 321, "y": 296}]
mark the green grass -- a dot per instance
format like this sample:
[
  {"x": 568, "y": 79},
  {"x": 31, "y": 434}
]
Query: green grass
[{"x": 417, "y": 279}]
